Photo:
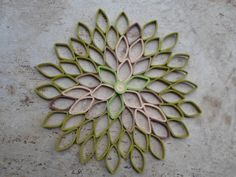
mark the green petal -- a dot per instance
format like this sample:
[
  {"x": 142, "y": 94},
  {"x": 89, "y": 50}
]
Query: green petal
[
  {"x": 64, "y": 52},
  {"x": 189, "y": 108},
  {"x": 107, "y": 75},
  {"x": 72, "y": 121},
  {"x": 151, "y": 46},
  {"x": 169, "y": 42},
  {"x": 149, "y": 30},
  {"x": 114, "y": 131},
  {"x": 87, "y": 149},
  {"x": 112, "y": 154},
  {"x": 175, "y": 75},
  {"x": 49, "y": 70},
  {"x": 46, "y": 91},
  {"x": 85, "y": 131},
  {"x": 115, "y": 106},
  {"x": 160, "y": 59},
  {"x": 157, "y": 72},
  {"x": 141, "y": 66},
  {"x": 110, "y": 59},
  {"x": 184, "y": 87},
  {"x": 96, "y": 110},
  {"x": 138, "y": 82},
  {"x": 137, "y": 157},
  {"x": 66, "y": 140},
  {"x": 112, "y": 37},
  {"x": 70, "y": 67},
  {"x": 85, "y": 80},
  {"x": 101, "y": 125},
  {"x": 133, "y": 33},
  {"x": 96, "y": 55},
  {"x": 177, "y": 128},
  {"x": 54, "y": 119},
  {"x": 102, "y": 21},
  {"x": 122, "y": 23},
  {"x": 179, "y": 60},
  {"x": 157, "y": 147},
  {"x": 171, "y": 96},
  {"x": 87, "y": 65},
  {"x": 99, "y": 40},
  {"x": 171, "y": 111},
  {"x": 83, "y": 33},
  {"x": 79, "y": 48},
  {"x": 64, "y": 81},
  {"x": 140, "y": 139},
  {"x": 102, "y": 146},
  {"x": 125, "y": 144}
]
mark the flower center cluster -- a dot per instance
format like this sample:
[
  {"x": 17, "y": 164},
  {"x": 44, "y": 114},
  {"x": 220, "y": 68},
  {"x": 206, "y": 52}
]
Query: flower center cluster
[{"x": 120, "y": 87}]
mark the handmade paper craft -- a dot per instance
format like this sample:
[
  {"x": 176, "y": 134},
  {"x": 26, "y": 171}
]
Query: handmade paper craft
[{"x": 118, "y": 92}]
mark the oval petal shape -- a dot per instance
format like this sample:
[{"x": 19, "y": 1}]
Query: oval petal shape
[
  {"x": 125, "y": 144},
  {"x": 151, "y": 47},
  {"x": 102, "y": 146},
  {"x": 136, "y": 51},
  {"x": 154, "y": 112},
  {"x": 87, "y": 65},
  {"x": 177, "y": 129},
  {"x": 66, "y": 140},
  {"x": 132, "y": 99},
  {"x": 76, "y": 92},
  {"x": 149, "y": 30},
  {"x": 78, "y": 47},
  {"x": 54, "y": 119},
  {"x": 103, "y": 92},
  {"x": 127, "y": 119},
  {"x": 112, "y": 37},
  {"x": 150, "y": 97},
  {"x": 99, "y": 39},
  {"x": 112, "y": 159},
  {"x": 61, "y": 103},
  {"x": 72, "y": 121},
  {"x": 124, "y": 70},
  {"x": 133, "y": 33},
  {"x": 189, "y": 108},
  {"x": 110, "y": 59},
  {"x": 83, "y": 33},
  {"x": 88, "y": 80},
  {"x": 82, "y": 105},
  {"x": 87, "y": 150},
  {"x": 141, "y": 66},
  {"x": 96, "y": 110},
  {"x": 115, "y": 106},
  {"x": 157, "y": 147},
  {"x": 70, "y": 67},
  {"x": 122, "y": 49},
  {"x": 64, "y": 81},
  {"x": 137, "y": 159},
  {"x": 122, "y": 23},
  {"x": 102, "y": 21},
  {"x": 64, "y": 52},
  {"x": 138, "y": 82},
  {"x": 96, "y": 55},
  {"x": 169, "y": 42},
  {"x": 48, "y": 91},
  {"x": 160, "y": 129},
  {"x": 142, "y": 121},
  {"x": 49, "y": 70},
  {"x": 107, "y": 75},
  {"x": 114, "y": 131},
  {"x": 101, "y": 125}
]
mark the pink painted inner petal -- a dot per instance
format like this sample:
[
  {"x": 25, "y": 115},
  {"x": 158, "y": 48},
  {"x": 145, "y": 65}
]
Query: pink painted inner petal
[
  {"x": 125, "y": 70},
  {"x": 154, "y": 112},
  {"x": 132, "y": 99},
  {"x": 103, "y": 92},
  {"x": 142, "y": 121},
  {"x": 76, "y": 92},
  {"x": 82, "y": 105},
  {"x": 136, "y": 51}
]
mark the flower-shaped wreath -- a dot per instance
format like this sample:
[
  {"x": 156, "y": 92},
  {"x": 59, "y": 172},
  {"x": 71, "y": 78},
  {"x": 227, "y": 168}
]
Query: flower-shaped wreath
[{"x": 118, "y": 92}]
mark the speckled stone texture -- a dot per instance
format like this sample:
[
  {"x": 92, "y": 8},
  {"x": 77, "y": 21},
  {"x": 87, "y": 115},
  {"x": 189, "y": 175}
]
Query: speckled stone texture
[{"x": 28, "y": 31}]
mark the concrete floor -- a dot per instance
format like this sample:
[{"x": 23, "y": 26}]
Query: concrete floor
[{"x": 28, "y": 30}]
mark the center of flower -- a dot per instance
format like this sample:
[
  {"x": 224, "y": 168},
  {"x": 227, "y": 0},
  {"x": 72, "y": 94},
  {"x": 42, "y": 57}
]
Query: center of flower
[{"x": 120, "y": 87}]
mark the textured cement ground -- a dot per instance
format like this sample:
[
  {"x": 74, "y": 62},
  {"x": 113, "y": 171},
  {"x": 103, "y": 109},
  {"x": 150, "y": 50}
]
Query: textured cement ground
[{"x": 28, "y": 30}]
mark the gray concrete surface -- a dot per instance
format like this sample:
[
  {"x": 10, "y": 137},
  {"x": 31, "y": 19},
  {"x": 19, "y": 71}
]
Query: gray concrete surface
[{"x": 28, "y": 30}]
